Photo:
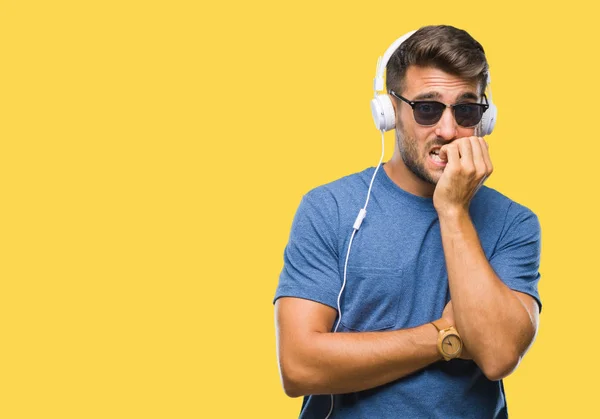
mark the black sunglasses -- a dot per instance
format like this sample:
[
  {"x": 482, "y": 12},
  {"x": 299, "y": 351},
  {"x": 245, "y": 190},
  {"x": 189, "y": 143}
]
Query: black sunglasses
[{"x": 429, "y": 112}]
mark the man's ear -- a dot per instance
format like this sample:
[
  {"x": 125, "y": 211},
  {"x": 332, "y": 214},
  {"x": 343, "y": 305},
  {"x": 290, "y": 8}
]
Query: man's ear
[{"x": 393, "y": 100}]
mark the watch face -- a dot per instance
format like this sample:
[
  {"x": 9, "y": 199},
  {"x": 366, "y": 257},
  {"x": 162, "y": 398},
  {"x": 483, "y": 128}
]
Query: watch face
[{"x": 451, "y": 345}]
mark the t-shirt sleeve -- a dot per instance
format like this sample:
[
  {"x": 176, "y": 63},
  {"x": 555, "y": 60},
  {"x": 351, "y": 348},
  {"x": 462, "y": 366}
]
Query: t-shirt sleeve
[
  {"x": 310, "y": 269},
  {"x": 516, "y": 259}
]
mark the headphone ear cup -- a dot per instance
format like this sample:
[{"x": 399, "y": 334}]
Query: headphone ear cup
[
  {"x": 488, "y": 121},
  {"x": 383, "y": 112}
]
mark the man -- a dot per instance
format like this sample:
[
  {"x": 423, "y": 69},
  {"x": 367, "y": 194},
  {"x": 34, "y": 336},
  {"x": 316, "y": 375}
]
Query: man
[{"x": 440, "y": 298}]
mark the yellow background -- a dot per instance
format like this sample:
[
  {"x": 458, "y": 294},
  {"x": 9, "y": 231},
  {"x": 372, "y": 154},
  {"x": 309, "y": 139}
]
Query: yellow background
[{"x": 153, "y": 154}]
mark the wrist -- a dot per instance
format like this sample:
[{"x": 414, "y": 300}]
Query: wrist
[
  {"x": 427, "y": 338},
  {"x": 436, "y": 336},
  {"x": 452, "y": 212},
  {"x": 454, "y": 221}
]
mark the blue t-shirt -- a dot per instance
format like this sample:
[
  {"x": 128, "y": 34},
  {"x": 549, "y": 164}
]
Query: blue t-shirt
[{"x": 397, "y": 279}]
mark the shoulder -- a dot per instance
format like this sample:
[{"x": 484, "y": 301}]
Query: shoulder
[
  {"x": 331, "y": 204},
  {"x": 494, "y": 205},
  {"x": 488, "y": 198},
  {"x": 341, "y": 191}
]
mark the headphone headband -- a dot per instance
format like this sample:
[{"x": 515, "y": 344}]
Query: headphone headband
[{"x": 382, "y": 61}]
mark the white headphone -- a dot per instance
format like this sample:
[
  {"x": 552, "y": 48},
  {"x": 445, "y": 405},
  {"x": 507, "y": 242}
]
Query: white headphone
[{"x": 383, "y": 110}]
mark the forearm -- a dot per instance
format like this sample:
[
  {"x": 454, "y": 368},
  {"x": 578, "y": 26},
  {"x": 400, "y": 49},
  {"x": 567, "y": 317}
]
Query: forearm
[
  {"x": 332, "y": 363},
  {"x": 493, "y": 323}
]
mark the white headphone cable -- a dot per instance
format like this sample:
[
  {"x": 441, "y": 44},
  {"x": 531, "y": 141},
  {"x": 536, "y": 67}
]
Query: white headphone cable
[{"x": 359, "y": 219}]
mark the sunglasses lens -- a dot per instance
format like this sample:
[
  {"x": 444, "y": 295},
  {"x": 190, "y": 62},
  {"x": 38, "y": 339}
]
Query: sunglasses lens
[
  {"x": 428, "y": 113},
  {"x": 468, "y": 115}
]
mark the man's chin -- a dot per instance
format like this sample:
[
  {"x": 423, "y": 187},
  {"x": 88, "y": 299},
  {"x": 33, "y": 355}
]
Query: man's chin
[
  {"x": 434, "y": 175},
  {"x": 434, "y": 180}
]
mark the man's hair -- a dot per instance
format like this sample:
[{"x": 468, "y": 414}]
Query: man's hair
[{"x": 447, "y": 48}]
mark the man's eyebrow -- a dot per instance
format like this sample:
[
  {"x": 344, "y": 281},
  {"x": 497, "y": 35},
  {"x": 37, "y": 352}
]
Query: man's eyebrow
[
  {"x": 436, "y": 95},
  {"x": 427, "y": 95},
  {"x": 467, "y": 95}
]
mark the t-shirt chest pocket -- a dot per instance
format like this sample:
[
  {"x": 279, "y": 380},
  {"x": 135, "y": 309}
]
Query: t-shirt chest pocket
[{"x": 371, "y": 298}]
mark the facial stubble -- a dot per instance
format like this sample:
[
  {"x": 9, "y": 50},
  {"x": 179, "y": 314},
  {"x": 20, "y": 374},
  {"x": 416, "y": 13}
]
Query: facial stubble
[{"x": 409, "y": 151}]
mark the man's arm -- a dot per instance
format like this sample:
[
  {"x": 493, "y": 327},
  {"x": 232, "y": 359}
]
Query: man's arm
[
  {"x": 497, "y": 324},
  {"x": 312, "y": 360}
]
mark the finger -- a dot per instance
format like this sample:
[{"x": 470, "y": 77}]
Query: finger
[
  {"x": 450, "y": 153},
  {"x": 443, "y": 153},
  {"x": 486, "y": 157},
  {"x": 466, "y": 156},
  {"x": 478, "y": 159}
]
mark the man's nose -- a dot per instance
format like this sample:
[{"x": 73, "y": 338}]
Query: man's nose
[{"x": 447, "y": 127}]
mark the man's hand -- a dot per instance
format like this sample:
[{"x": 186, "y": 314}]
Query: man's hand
[
  {"x": 448, "y": 315},
  {"x": 468, "y": 166}
]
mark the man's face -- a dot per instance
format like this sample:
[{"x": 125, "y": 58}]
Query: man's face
[{"x": 419, "y": 144}]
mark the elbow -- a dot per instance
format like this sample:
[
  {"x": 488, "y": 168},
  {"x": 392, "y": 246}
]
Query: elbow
[
  {"x": 498, "y": 367},
  {"x": 291, "y": 385},
  {"x": 295, "y": 379},
  {"x": 290, "y": 389}
]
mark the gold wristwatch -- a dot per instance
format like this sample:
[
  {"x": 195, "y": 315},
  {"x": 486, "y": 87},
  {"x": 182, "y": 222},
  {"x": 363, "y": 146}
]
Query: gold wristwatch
[{"x": 449, "y": 343}]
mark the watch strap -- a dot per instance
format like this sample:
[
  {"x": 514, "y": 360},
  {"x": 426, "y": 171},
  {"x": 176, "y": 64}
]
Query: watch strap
[{"x": 441, "y": 324}]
